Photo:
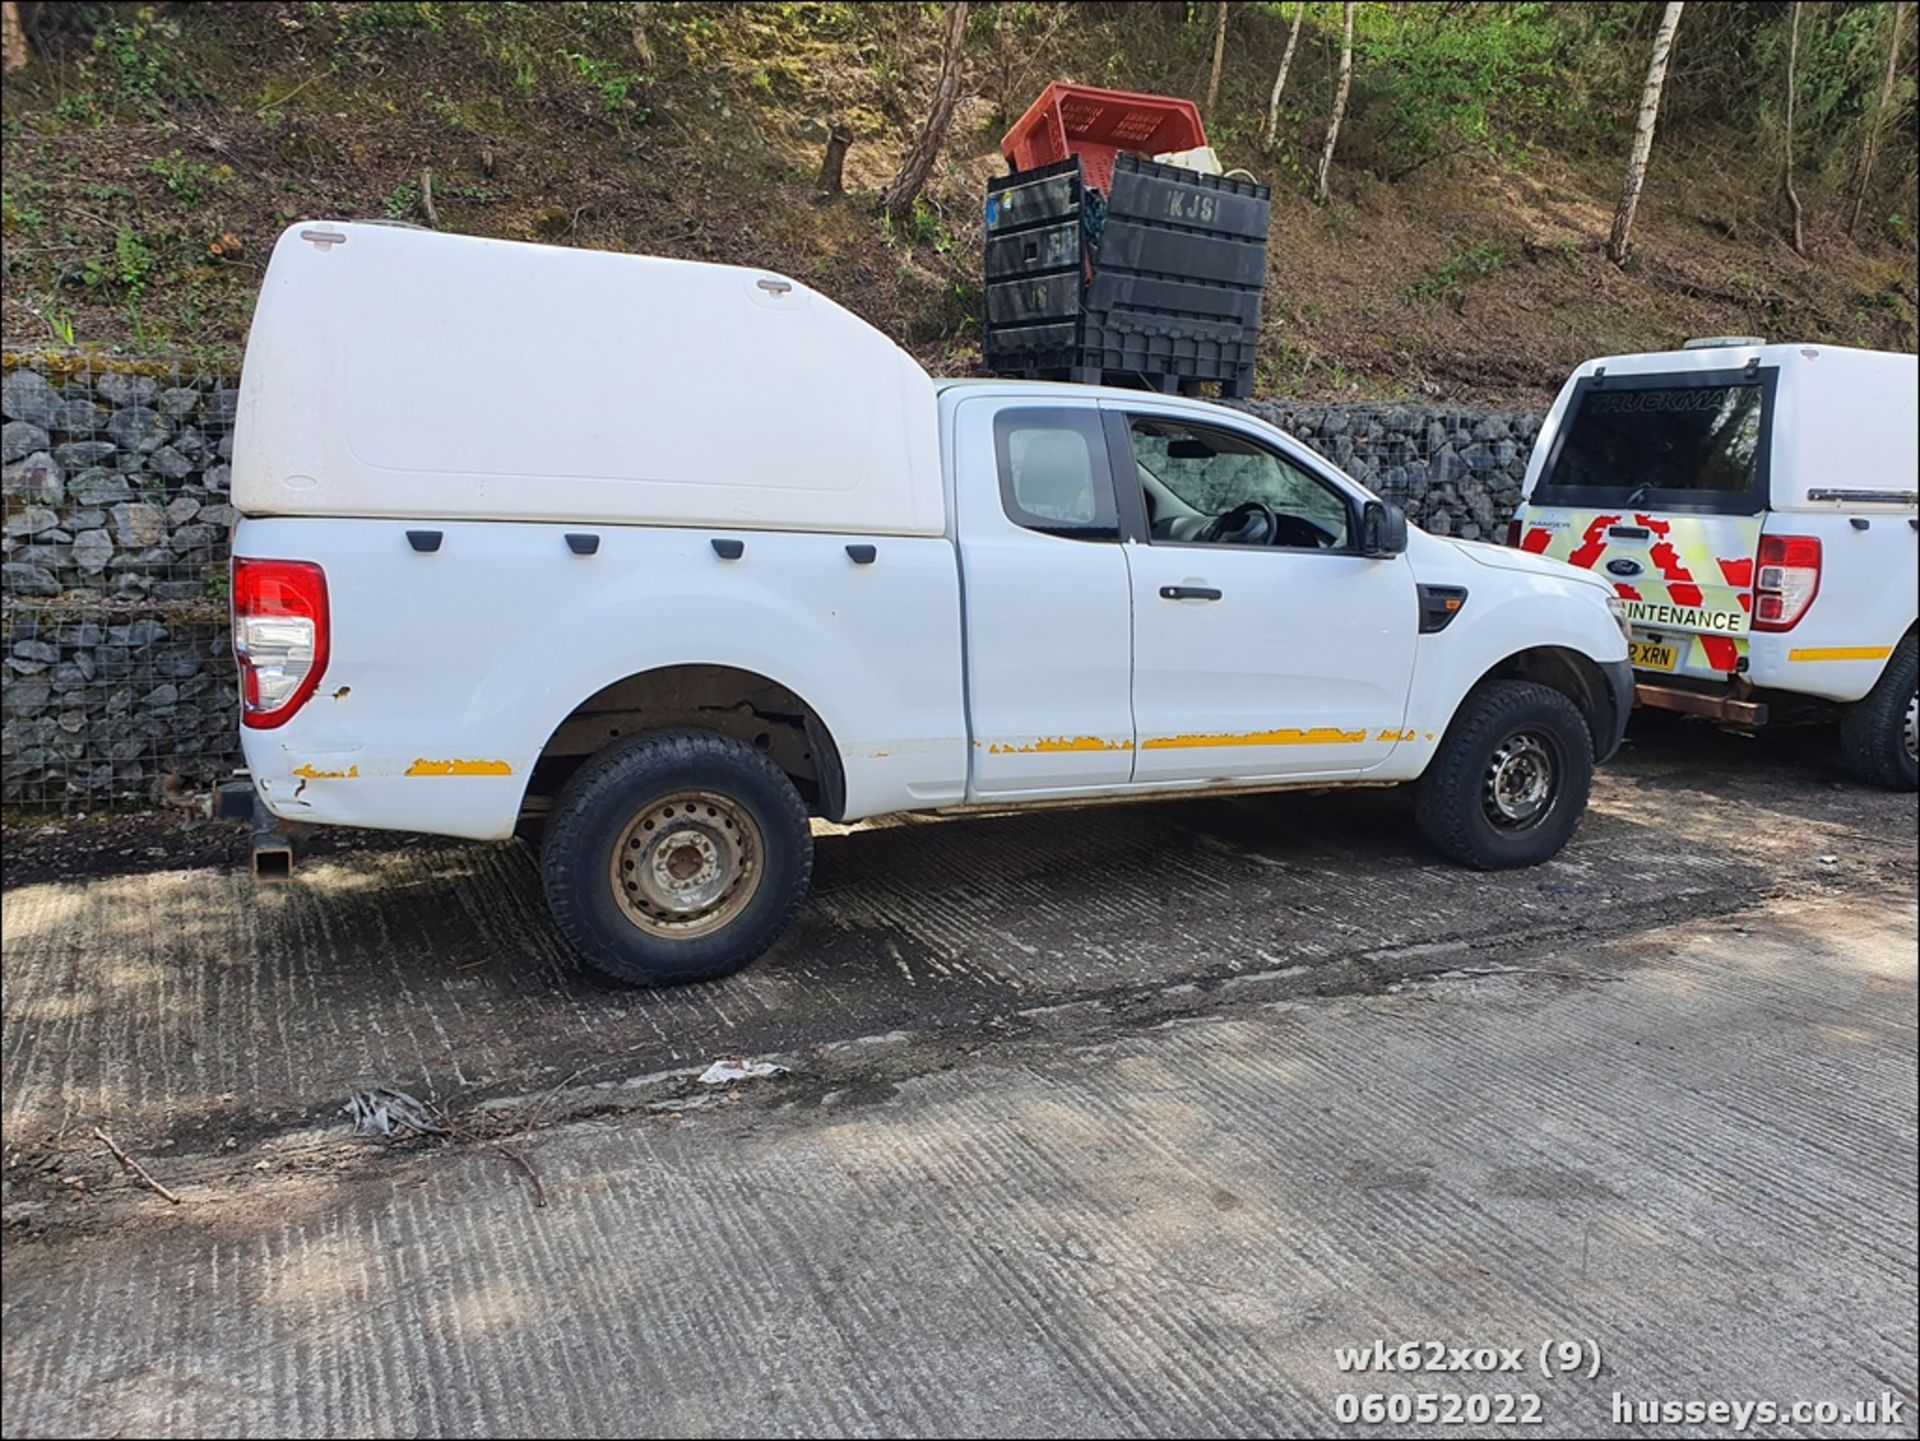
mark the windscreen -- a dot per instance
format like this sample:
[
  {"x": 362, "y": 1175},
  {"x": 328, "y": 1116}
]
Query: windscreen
[{"x": 1679, "y": 443}]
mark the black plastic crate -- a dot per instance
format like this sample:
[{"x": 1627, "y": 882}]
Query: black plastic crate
[{"x": 1157, "y": 284}]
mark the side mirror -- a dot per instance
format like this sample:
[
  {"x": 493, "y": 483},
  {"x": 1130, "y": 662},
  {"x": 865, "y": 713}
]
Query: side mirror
[{"x": 1383, "y": 529}]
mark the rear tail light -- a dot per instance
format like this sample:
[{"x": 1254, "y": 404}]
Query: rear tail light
[
  {"x": 279, "y": 636},
  {"x": 1513, "y": 533},
  {"x": 1786, "y": 581}
]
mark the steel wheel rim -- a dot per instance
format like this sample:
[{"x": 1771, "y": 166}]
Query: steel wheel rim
[
  {"x": 687, "y": 864},
  {"x": 1911, "y": 729},
  {"x": 1522, "y": 781}
]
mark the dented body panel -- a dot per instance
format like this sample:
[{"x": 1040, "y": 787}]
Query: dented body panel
[{"x": 458, "y": 666}]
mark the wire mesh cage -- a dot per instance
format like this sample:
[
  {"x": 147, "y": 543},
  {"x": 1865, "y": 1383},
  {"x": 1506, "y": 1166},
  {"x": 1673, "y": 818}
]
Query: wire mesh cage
[{"x": 118, "y": 674}]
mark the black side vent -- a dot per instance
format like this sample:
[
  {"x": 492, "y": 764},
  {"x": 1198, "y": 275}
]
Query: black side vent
[{"x": 1439, "y": 604}]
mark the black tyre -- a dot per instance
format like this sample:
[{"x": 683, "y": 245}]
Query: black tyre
[
  {"x": 1878, "y": 735},
  {"x": 1511, "y": 778},
  {"x": 678, "y": 856}
]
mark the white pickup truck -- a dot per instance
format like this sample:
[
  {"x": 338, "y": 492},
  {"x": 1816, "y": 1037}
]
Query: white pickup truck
[{"x": 657, "y": 560}]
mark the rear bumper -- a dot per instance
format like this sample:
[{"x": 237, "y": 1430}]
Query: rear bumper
[{"x": 1619, "y": 675}]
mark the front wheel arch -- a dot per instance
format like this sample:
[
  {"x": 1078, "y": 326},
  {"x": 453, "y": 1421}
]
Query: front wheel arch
[{"x": 1575, "y": 675}]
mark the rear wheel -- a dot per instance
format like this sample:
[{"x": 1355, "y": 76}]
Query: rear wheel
[
  {"x": 676, "y": 857},
  {"x": 1880, "y": 735},
  {"x": 1511, "y": 779}
]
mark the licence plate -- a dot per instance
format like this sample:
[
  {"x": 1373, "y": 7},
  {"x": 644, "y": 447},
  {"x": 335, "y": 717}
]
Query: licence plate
[{"x": 1652, "y": 655}]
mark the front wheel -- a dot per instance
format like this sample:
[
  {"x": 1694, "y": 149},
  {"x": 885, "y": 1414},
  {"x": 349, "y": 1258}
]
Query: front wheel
[
  {"x": 1511, "y": 778},
  {"x": 1880, "y": 735},
  {"x": 676, "y": 857}
]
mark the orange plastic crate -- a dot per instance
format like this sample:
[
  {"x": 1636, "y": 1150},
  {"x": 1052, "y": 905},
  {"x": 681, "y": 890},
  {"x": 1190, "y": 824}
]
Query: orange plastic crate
[{"x": 1096, "y": 125}]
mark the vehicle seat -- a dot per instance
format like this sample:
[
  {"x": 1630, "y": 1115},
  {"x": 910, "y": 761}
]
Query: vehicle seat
[{"x": 1172, "y": 527}]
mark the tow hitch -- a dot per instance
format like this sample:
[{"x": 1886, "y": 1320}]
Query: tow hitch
[{"x": 275, "y": 843}]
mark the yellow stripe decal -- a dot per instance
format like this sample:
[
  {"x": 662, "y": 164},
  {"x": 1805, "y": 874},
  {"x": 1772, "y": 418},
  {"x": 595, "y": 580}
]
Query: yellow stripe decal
[
  {"x": 1319, "y": 736},
  {"x": 308, "y": 772},
  {"x": 1053, "y": 745},
  {"x": 1842, "y": 652},
  {"x": 459, "y": 768}
]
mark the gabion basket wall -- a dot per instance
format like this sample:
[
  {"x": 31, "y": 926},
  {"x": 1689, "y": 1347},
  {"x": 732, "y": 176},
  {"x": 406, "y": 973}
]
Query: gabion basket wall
[{"x": 118, "y": 678}]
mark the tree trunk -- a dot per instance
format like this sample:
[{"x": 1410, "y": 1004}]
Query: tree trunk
[
  {"x": 1879, "y": 121},
  {"x": 833, "y": 163},
  {"x": 1620, "y": 240},
  {"x": 1219, "y": 59},
  {"x": 897, "y": 199},
  {"x": 1339, "y": 105},
  {"x": 1280, "y": 81},
  {"x": 1786, "y": 170},
  {"x": 14, "y": 37},
  {"x": 642, "y": 46}
]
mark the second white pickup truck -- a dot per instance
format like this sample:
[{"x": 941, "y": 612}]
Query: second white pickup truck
[{"x": 654, "y": 561}]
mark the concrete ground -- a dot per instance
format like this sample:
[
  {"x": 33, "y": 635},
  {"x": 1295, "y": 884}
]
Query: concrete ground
[{"x": 1117, "y": 1120}]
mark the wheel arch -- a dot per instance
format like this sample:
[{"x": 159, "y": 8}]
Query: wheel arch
[
  {"x": 742, "y": 704},
  {"x": 1574, "y": 674}
]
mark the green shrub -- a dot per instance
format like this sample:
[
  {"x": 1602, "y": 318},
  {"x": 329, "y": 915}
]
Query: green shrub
[
  {"x": 1483, "y": 257},
  {"x": 1435, "y": 79}
]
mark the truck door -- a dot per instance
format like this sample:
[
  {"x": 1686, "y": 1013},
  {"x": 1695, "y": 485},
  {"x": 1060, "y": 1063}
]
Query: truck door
[
  {"x": 1044, "y": 583},
  {"x": 1659, "y": 483},
  {"x": 1264, "y": 645}
]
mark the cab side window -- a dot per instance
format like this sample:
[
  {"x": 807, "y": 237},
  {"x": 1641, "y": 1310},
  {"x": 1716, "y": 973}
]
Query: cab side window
[
  {"x": 1208, "y": 486},
  {"x": 1054, "y": 475}
]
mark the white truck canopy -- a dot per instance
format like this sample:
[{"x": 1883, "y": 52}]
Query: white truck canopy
[
  {"x": 1843, "y": 418},
  {"x": 399, "y": 373}
]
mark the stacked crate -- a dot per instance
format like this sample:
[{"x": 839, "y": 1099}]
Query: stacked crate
[{"x": 1105, "y": 266}]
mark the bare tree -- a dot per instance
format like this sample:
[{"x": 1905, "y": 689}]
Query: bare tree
[
  {"x": 14, "y": 37},
  {"x": 1280, "y": 81},
  {"x": 1878, "y": 122},
  {"x": 1619, "y": 241},
  {"x": 897, "y": 199},
  {"x": 1786, "y": 171},
  {"x": 1219, "y": 57},
  {"x": 1339, "y": 105}
]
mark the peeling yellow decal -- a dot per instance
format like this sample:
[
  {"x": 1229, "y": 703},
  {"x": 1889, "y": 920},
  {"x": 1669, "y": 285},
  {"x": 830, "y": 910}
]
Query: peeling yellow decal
[
  {"x": 1319, "y": 736},
  {"x": 1842, "y": 652},
  {"x": 1394, "y": 735},
  {"x": 459, "y": 768},
  {"x": 309, "y": 772},
  {"x": 1053, "y": 745}
]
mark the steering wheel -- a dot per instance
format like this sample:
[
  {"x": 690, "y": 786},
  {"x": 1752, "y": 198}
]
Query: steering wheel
[{"x": 1251, "y": 522}]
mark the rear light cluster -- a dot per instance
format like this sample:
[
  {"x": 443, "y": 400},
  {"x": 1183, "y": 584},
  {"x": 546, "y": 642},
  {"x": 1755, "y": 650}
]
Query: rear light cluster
[
  {"x": 1787, "y": 580},
  {"x": 279, "y": 636},
  {"x": 1513, "y": 532}
]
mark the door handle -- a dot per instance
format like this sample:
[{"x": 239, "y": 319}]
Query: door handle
[{"x": 1188, "y": 592}]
